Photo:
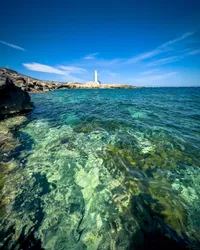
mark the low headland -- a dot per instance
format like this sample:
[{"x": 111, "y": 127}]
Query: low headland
[
  {"x": 14, "y": 89},
  {"x": 34, "y": 85},
  {"x": 15, "y": 100}
]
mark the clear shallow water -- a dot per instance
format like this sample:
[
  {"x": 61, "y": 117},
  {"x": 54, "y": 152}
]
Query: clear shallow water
[{"x": 106, "y": 169}]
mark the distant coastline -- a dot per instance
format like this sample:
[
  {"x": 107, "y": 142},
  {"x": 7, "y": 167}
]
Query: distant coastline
[{"x": 31, "y": 84}]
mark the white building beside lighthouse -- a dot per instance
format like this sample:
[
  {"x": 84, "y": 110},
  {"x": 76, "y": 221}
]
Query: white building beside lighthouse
[{"x": 96, "y": 81}]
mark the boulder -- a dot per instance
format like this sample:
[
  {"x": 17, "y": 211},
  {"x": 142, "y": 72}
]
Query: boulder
[{"x": 13, "y": 99}]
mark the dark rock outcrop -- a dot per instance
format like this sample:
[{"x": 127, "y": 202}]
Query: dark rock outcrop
[
  {"x": 32, "y": 84},
  {"x": 13, "y": 99}
]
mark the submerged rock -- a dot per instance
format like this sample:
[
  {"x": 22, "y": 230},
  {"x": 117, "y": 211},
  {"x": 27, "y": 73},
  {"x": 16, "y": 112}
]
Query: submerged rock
[
  {"x": 12, "y": 98},
  {"x": 7, "y": 141}
]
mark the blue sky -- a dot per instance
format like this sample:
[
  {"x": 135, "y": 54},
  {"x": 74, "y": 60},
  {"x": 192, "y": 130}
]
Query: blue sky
[{"x": 143, "y": 43}]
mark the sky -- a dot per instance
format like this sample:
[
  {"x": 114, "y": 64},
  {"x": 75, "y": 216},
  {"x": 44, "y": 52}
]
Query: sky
[{"x": 143, "y": 43}]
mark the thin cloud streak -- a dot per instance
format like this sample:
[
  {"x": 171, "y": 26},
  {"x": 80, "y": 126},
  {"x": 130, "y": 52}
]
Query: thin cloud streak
[
  {"x": 91, "y": 56},
  {"x": 165, "y": 60},
  {"x": 188, "y": 34},
  {"x": 60, "y": 69},
  {"x": 72, "y": 69},
  {"x": 149, "y": 72},
  {"x": 100, "y": 63},
  {"x": 108, "y": 73},
  {"x": 12, "y": 45},
  {"x": 43, "y": 68},
  {"x": 144, "y": 56},
  {"x": 104, "y": 62},
  {"x": 155, "y": 77},
  {"x": 66, "y": 71},
  {"x": 159, "y": 50},
  {"x": 194, "y": 52}
]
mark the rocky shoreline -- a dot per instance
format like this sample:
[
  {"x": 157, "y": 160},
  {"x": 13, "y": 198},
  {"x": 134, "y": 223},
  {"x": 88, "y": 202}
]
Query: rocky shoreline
[
  {"x": 34, "y": 85},
  {"x": 14, "y": 89},
  {"x": 30, "y": 84},
  {"x": 13, "y": 99}
]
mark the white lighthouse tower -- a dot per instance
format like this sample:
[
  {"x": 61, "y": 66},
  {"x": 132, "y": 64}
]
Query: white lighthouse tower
[
  {"x": 96, "y": 81},
  {"x": 96, "y": 76}
]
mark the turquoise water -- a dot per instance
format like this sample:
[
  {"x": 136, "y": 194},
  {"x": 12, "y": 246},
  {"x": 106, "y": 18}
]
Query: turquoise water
[{"x": 106, "y": 169}]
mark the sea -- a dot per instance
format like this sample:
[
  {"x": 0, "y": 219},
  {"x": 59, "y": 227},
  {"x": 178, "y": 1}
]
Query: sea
[{"x": 105, "y": 169}]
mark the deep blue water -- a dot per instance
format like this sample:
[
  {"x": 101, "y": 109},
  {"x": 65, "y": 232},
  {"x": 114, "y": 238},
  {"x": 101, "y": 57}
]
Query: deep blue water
[{"x": 106, "y": 169}]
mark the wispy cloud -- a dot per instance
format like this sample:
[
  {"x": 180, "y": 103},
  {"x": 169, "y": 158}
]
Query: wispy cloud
[
  {"x": 72, "y": 69},
  {"x": 92, "y": 60},
  {"x": 159, "y": 50},
  {"x": 165, "y": 60},
  {"x": 60, "y": 69},
  {"x": 155, "y": 77},
  {"x": 171, "y": 59},
  {"x": 106, "y": 63},
  {"x": 44, "y": 68},
  {"x": 186, "y": 35},
  {"x": 148, "y": 72},
  {"x": 194, "y": 52},
  {"x": 100, "y": 63},
  {"x": 12, "y": 45},
  {"x": 108, "y": 73},
  {"x": 144, "y": 56},
  {"x": 91, "y": 56},
  {"x": 67, "y": 71}
]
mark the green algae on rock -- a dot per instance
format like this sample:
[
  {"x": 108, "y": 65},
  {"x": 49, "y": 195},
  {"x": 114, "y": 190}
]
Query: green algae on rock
[{"x": 7, "y": 141}]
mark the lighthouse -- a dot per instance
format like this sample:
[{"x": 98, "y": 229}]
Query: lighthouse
[
  {"x": 96, "y": 81},
  {"x": 96, "y": 76}
]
